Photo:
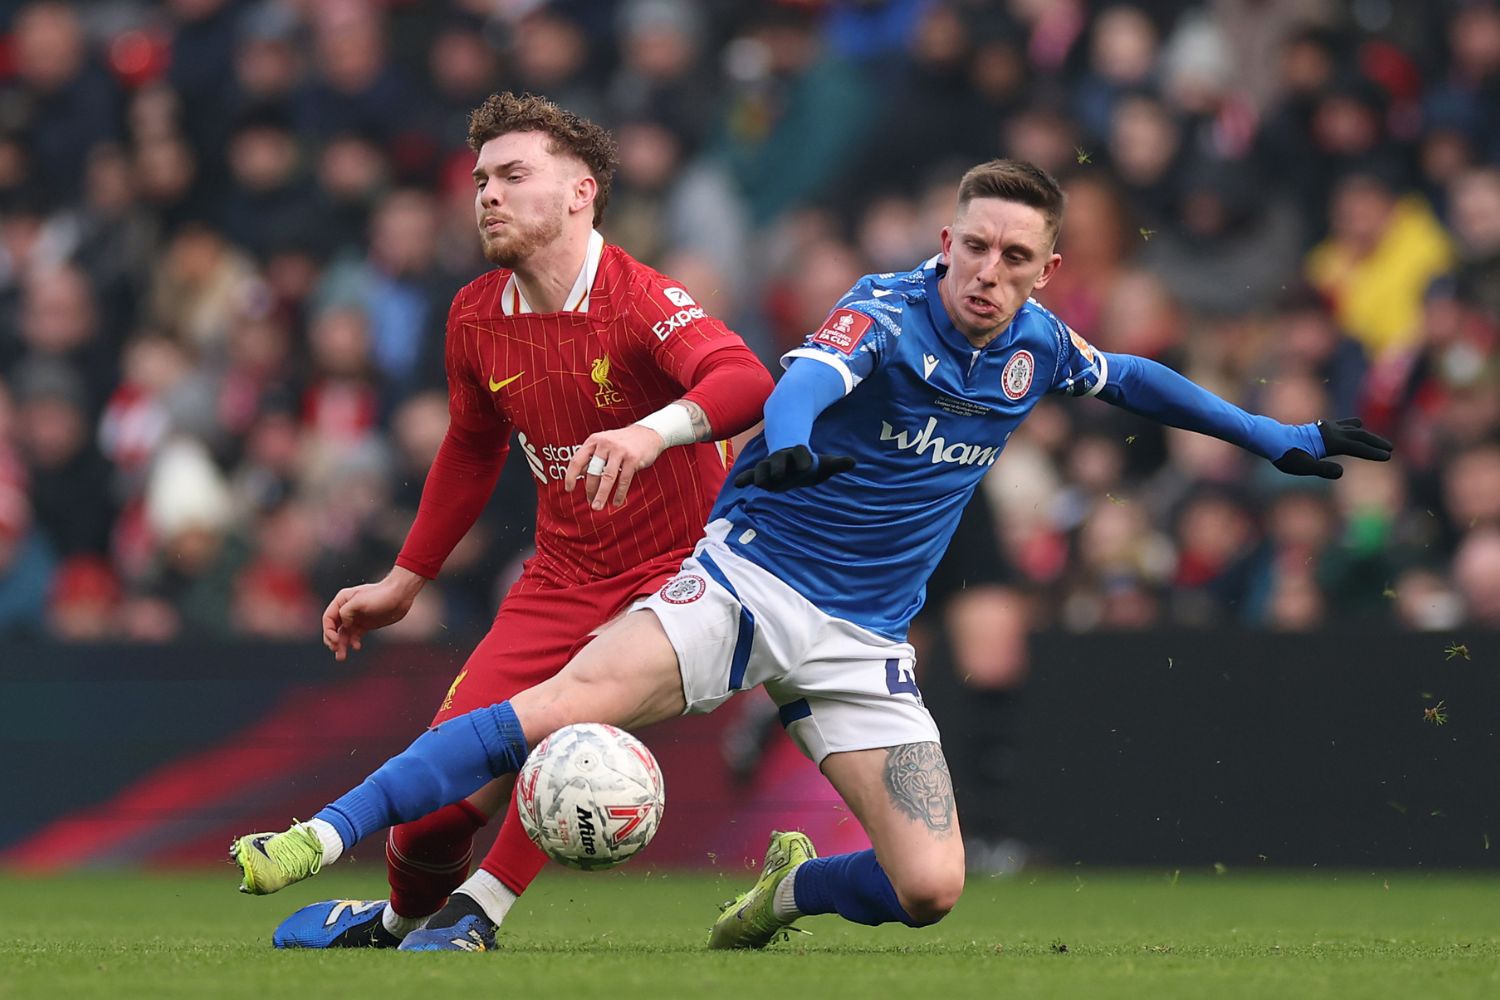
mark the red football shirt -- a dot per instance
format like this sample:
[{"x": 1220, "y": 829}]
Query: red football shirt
[{"x": 631, "y": 348}]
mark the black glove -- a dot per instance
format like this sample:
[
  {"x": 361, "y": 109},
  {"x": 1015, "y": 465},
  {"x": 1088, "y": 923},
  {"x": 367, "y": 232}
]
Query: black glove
[
  {"x": 1343, "y": 437},
  {"x": 792, "y": 468}
]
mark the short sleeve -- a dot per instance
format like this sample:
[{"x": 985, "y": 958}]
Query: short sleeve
[{"x": 1082, "y": 369}]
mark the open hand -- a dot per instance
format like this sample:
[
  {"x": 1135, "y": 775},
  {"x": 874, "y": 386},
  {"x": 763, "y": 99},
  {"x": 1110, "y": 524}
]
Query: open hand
[{"x": 1342, "y": 437}]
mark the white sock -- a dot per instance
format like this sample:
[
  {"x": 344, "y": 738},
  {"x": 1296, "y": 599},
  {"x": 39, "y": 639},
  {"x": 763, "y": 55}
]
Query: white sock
[
  {"x": 399, "y": 925},
  {"x": 332, "y": 845},
  {"x": 784, "y": 904},
  {"x": 490, "y": 893}
]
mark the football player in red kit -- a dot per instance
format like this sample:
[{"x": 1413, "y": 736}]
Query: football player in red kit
[{"x": 617, "y": 386}]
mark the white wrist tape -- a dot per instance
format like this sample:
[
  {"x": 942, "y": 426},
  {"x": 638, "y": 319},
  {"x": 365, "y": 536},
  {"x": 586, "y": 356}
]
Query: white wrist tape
[{"x": 672, "y": 422}]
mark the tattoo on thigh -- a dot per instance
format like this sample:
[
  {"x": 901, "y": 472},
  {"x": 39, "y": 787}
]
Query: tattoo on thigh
[{"x": 916, "y": 776}]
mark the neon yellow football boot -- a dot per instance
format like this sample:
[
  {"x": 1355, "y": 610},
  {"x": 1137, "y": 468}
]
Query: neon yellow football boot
[
  {"x": 270, "y": 862},
  {"x": 749, "y": 920}
]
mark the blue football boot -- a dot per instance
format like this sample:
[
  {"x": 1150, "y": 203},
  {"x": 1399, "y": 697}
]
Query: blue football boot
[
  {"x": 336, "y": 923},
  {"x": 459, "y": 926}
]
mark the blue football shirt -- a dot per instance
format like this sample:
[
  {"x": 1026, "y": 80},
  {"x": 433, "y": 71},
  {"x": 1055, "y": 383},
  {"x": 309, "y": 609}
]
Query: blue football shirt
[{"x": 926, "y": 414}]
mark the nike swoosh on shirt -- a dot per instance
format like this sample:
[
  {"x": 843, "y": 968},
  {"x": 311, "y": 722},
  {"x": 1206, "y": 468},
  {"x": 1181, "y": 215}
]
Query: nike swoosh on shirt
[{"x": 497, "y": 386}]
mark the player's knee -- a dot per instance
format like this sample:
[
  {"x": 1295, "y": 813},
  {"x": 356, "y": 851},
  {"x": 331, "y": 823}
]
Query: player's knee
[{"x": 928, "y": 897}]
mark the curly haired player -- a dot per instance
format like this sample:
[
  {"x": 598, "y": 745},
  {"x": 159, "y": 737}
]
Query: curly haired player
[{"x": 612, "y": 378}]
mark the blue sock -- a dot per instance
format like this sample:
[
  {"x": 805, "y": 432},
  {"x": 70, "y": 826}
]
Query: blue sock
[
  {"x": 852, "y": 885},
  {"x": 443, "y": 765}
]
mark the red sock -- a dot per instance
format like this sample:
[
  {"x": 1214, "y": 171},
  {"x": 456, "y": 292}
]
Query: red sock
[
  {"x": 429, "y": 858},
  {"x": 513, "y": 858}
]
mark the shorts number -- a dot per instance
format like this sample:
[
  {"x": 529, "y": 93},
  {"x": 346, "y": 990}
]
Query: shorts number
[{"x": 901, "y": 678}]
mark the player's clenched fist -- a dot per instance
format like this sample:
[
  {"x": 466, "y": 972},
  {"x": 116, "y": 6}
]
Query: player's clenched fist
[
  {"x": 793, "y": 468},
  {"x": 609, "y": 461},
  {"x": 356, "y": 610}
]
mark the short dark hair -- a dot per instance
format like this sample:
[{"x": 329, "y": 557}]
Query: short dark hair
[
  {"x": 1015, "y": 180},
  {"x": 569, "y": 133}
]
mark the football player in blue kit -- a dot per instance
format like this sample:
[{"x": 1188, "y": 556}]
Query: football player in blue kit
[{"x": 815, "y": 561}]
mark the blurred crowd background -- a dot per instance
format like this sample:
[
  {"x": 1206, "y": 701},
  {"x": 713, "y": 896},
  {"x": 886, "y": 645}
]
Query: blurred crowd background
[{"x": 229, "y": 232}]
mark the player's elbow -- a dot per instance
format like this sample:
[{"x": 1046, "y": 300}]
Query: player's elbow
[
  {"x": 930, "y": 896},
  {"x": 732, "y": 388}
]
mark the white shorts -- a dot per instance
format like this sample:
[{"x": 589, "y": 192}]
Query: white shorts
[{"x": 839, "y": 686}]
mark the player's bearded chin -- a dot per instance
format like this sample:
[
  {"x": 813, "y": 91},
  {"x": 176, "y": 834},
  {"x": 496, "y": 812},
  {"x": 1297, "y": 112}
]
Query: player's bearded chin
[{"x": 516, "y": 243}]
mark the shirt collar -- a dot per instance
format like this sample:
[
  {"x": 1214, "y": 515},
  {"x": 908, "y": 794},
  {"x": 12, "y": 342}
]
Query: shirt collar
[{"x": 513, "y": 302}]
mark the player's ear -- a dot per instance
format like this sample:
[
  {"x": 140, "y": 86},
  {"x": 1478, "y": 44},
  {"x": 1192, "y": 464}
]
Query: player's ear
[
  {"x": 1048, "y": 270},
  {"x": 585, "y": 189},
  {"x": 946, "y": 238}
]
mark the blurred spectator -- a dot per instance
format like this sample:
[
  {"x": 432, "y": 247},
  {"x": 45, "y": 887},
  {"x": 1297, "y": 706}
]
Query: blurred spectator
[
  {"x": 61, "y": 97},
  {"x": 1475, "y": 207},
  {"x": 27, "y": 564},
  {"x": 270, "y": 199},
  {"x": 1380, "y": 255},
  {"x": 137, "y": 419},
  {"x": 1145, "y": 150},
  {"x": 352, "y": 176},
  {"x": 550, "y": 55},
  {"x": 59, "y": 322},
  {"x": 796, "y": 119},
  {"x": 1306, "y": 339},
  {"x": 400, "y": 291},
  {"x": 1279, "y": 47},
  {"x": 1232, "y": 247},
  {"x": 189, "y": 514},
  {"x": 201, "y": 68},
  {"x": 353, "y": 85},
  {"x": 1215, "y": 537},
  {"x": 200, "y": 281},
  {"x": 1467, "y": 94},
  {"x": 1381, "y": 537},
  {"x": 1471, "y": 489},
  {"x": 1476, "y": 567},
  {"x": 662, "y": 73},
  {"x": 341, "y": 405},
  {"x": 1410, "y": 394},
  {"x": 1123, "y": 49},
  {"x": 268, "y": 63},
  {"x": 464, "y": 69},
  {"x": 273, "y": 593},
  {"x": 1119, "y": 565},
  {"x": 650, "y": 160},
  {"x": 69, "y": 481},
  {"x": 942, "y": 114},
  {"x": 1426, "y": 600},
  {"x": 1283, "y": 592},
  {"x": 84, "y": 601}
]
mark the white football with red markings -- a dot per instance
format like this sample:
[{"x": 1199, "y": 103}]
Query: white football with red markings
[{"x": 590, "y": 796}]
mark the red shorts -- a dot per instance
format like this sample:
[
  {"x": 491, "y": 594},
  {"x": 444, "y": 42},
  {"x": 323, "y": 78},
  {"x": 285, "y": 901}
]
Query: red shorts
[{"x": 536, "y": 632}]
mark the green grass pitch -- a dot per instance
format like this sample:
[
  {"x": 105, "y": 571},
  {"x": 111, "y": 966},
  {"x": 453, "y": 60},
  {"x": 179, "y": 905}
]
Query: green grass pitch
[{"x": 1072, "y": 933}]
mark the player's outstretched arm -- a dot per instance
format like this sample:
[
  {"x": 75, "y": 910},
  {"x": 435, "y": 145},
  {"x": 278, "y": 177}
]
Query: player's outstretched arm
[
  {"x": 1154, "y": 390},
  {"x": 807, "y": 389}
]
